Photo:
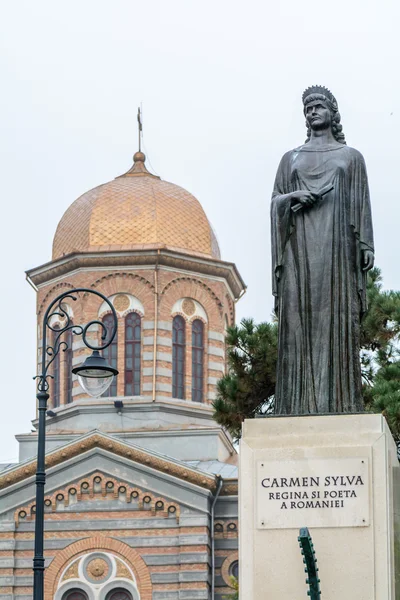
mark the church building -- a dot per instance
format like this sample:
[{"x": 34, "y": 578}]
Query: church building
[{"x": 141, "y": 489}]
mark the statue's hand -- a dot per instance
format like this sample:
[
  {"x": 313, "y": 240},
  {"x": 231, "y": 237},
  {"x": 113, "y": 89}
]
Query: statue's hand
[
  {"x": 368, "y": 259},
  {"x": 304, "y": 197}
]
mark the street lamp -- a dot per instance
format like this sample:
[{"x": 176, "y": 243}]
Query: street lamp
[{"x": 95, "y": 376}]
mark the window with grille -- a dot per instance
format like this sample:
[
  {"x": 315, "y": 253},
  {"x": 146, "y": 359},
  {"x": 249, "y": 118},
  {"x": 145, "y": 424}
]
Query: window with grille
[
  {"x": 56, "y": 368},
  {"x": 197, "y": 361},
  {"x": 119, "y": 594},
  {"x": 178, "y": 357},
  {"x": 111, "y": 353},
  {"x": 68, "y": 367},
  {"x": 132, "y": 354},
  {"x": 75, "y": 594},
  {"x": 234, "y": 569}
]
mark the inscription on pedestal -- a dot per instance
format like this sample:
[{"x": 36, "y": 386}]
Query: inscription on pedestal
[{"x": 312, "y": 492}]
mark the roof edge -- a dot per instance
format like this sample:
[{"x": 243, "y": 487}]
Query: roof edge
[
  {"x": 163, "y": 255},
  {"x": 97, "y": 439}
]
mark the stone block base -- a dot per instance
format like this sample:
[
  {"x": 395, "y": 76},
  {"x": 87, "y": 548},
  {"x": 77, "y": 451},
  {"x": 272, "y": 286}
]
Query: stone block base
[{"x": 337, "y": 475}]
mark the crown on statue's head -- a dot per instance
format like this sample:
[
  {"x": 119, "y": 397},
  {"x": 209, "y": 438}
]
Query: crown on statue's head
[{"x": 321, "y": 90}]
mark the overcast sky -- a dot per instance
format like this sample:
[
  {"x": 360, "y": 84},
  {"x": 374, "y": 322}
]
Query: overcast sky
[{"x": 221, "y": 84}]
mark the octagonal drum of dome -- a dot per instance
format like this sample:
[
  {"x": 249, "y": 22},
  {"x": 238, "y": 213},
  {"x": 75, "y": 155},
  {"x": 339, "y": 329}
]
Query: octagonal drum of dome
[{"x": 135, "y": 211}]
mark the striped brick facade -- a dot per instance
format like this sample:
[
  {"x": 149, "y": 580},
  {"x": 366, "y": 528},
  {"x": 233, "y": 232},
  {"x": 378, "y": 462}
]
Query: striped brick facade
[
  {"x": 163, "y": 539},
  {"x": 211, "y": 294}
]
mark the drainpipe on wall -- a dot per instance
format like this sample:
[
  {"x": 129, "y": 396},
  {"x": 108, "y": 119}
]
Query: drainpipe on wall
[
  {"x": 155, "y": 323},
  {"x": 217, "y": 493}
]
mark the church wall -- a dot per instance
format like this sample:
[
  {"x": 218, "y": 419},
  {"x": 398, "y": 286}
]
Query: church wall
[
  {"x": 226, "y": 543},
  {"x": 91, "y": 508},
  {"x": 87, "y": 308},
  {"x": 211, "y": 294},
  {"x": 176, "y": 556},
  {"x": 171, "y": 538}
]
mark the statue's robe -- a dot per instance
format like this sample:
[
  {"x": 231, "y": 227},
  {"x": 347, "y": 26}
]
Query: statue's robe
[{"x": 318, "y": 281}]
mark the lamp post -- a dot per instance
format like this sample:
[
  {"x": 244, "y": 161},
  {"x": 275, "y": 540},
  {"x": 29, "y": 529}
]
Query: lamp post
[{"x": 95, "y": 376}]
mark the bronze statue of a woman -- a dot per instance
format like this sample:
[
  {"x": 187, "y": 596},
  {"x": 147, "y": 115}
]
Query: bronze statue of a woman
[{"x": 322, "y": 248}]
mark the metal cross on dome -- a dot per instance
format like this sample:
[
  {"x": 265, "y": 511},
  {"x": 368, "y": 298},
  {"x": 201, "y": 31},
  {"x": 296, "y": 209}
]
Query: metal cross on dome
[{"x": 140, "y": 125}]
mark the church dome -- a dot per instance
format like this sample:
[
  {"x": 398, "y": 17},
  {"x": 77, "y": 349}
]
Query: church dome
[{"x": 135, "y": 211}]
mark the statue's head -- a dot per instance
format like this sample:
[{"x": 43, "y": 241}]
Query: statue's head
[{"x": 321, "y": 111}]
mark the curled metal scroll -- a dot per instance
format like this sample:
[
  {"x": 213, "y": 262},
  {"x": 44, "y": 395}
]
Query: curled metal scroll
[{"x": 56, "y": 310}]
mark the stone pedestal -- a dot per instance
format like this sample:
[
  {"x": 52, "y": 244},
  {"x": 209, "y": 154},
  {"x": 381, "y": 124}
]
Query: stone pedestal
[{"x": 335, "y": 474}]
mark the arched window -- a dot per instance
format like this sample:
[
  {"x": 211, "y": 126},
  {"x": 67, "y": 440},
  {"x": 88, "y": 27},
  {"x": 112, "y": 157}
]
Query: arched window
[
  {"x": 119, "y": 594},
  {"x": 75, "y": 594},
  {"x": 111, "y": 353},
  {"x": 132, "y": 354},
  {"x": 234, "y": 569},
  {"x": 197, "y": 361},
  {"x": 68, "y": 367},
  {"x": 178, "y": 357},
  {"x": 56, "y": 368},
  {"x": 226, "y": 347}
]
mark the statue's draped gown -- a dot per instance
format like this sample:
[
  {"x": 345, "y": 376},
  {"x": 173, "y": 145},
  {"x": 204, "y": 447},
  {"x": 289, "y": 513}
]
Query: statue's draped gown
[{"x": 318, "y": 281}]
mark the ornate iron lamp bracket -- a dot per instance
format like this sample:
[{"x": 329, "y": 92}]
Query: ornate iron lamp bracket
[{"x": 56, "y": 309}]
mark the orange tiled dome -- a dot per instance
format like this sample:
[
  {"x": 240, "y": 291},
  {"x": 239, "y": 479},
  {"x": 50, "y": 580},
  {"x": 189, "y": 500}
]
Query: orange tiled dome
[{"x": 135, "y": 211}]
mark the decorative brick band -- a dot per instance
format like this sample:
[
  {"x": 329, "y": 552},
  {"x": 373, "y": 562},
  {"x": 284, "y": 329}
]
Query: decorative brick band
[
  {"x": 104, "y": 486},
  {"x": 124, "y": 275},
  {"x": 226, "y": 529}
]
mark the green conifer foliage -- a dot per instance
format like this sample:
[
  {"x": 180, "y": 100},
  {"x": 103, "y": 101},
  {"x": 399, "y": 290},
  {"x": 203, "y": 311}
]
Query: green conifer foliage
[
  {"x": 248, "y": 388},
  {"x": 235, "y": 585}
]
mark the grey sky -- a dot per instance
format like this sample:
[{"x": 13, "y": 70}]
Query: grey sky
[{"x": 221, "y": 84}]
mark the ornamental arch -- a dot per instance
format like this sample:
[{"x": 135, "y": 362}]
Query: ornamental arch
[
  {"x": 97, "y": 566},
  {"x": 191, "y": 287}
]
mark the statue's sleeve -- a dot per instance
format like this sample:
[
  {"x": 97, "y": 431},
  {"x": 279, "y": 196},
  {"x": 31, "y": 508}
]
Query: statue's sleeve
[
  {"x": 361, "y": 217},
  {"x": 361, "y": 220},
  {"x": 280, "y": 220}
]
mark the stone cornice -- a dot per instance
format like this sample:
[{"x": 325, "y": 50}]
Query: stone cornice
[
  {"x": 110, "y": 444},
  {"x": 103, "y": 406},
  {"x": 125, "y": 435},
  {"x": 143, "y": 404},
  {"x": 141, "y": 258},
  {"x": 230, "y": 487}
]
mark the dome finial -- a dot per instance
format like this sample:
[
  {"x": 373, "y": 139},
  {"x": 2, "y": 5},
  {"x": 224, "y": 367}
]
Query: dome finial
[{"x": 139, "y": 157}]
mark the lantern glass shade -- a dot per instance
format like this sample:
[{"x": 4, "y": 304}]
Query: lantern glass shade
[
  {"x": 95, "y": 386},
  {"x": 95, "y": 375}
]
